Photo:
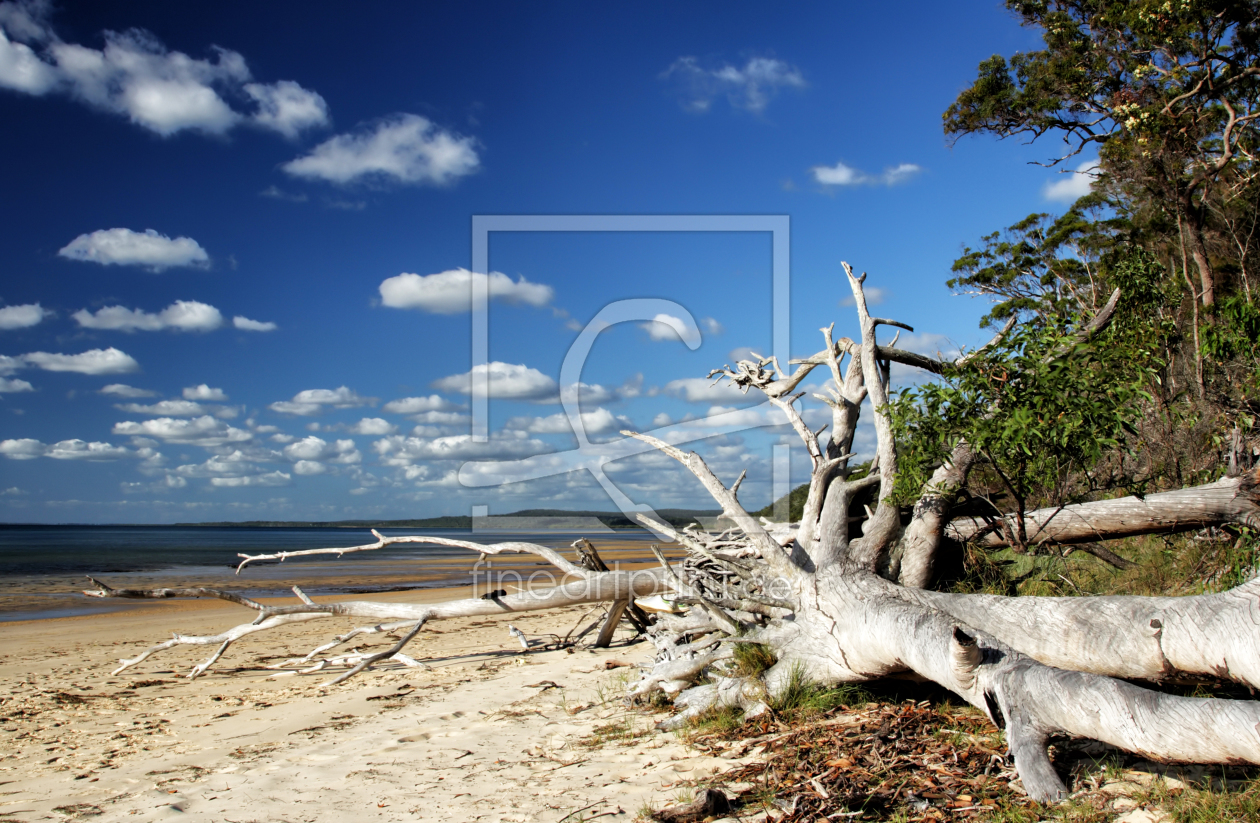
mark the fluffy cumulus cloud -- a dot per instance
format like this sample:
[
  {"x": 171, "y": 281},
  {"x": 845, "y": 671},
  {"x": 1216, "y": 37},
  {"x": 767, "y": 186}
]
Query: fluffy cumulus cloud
[
  {"x": 508, "y": 381},
  {"x": 373, "y": 426},
  {"x": 748, "y": 87},
  {"x": 842, "y": 175},
  {"x": 1073, "y": 185},
  {"x": 276, "y": 478},
  {"x": 415, "y": 405},
  {"x": 12, "y": 385},
  {"x": 123, "y": 390},
  {"x": 287, "y": 108},
  {"x": 403, "y": 451},
  {"x": 313, "y": 401},
  {"x": 450, "y": 292},
  {"x": 310, "y": 455},
  {"x": 206, "y": 393},
  {"x": 235, "y": 463},
  {"x": 405, "y": 148},
  {"x": 182, "y": 315},
  {"x": 205, "y": 431},
  {"x": 703, "y": 390},
  {"x": 137, "y": 77},
  {"x": 667, "y": 327},
  {"x": 245, "y": 324},
  {"x": 28, "y": 449},
  {"x": 93, "y": 361},
  {"x": 597, "y": 421},
  {"x": 124, "y": 247},
  {"x": 165, "y": 408},
  {"x": 22, "y": 317}
]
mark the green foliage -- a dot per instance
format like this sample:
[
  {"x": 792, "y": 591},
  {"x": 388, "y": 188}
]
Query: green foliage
[
  {"x": 1232, "y": 344},
  {"x": 1041, "y": 267},
  {"x": 1040, "y": 406},
  {"x": 1145, "y": 80}
]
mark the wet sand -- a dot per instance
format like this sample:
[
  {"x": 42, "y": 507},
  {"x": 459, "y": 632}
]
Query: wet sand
[{"x": 24, "y": 597}]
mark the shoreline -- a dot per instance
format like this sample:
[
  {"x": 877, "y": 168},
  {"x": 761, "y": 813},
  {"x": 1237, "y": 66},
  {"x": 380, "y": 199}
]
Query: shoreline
[
  {"x": 57, "y": 595},
  {"x": 481, "y": 731}
]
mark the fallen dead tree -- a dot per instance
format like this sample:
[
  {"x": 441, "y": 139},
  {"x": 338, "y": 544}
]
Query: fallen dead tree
[{"x": 845, "y": 603}]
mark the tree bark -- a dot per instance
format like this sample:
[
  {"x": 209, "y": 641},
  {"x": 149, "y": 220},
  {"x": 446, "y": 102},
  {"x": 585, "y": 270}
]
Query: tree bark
[{"x": 1228, "y": 500}]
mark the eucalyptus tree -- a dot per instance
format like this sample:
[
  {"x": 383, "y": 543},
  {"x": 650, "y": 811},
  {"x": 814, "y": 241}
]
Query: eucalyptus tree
[{"x": 1167, "y": 91}]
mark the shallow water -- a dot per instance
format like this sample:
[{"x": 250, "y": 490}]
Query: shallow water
[{"x": 43, "y": 569}]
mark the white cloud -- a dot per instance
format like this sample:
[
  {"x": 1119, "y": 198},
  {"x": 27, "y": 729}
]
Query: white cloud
[
  {"x": 28, "y": 449},
  {"x": 136, "y": 77},
  {"x": 874, "y": 296},
  {"x": 450, "y": 292},
  {"x": 165, "y": 408},
  {"x": 397, "y": 450},
  {"x": 22, "y": 449},
  {"x": 311, "y": 451},
  {"x": 276, "y": 478},
  {"x": 124, "y": 247},
  {"x": 93, "y": 361},
  {"x": 412, "y": 405},
  {"x": 711, "y": 326},
  {"x": 123, "y": 390},
  {"x": 82, "y": 450},
  {"x": 233, "y": 464},
  {"x": 405, "y": 148},
  {"x": 21, "y": 70},
  {"x": 703, "y": 390},
  {"x": 287, "y": 108},
  {"x": 373, "y": 426},
  {"x": 22, "y": 317},
  {"x": 203, "y": 431},
  {"x": 309, "y": 467},
  {"x": 439, "y": 418},
  {"x": 599, "y": 420},
  {"x": 10, "y": 386},
  {"x": 750, "y": 87},
  {"x": 1073, "y": 185},
  {"x": 312, "y": 401},
  {"x": 204, "y": 392},
  {"x": 245, "y": 324},
  {"x": 666, "y": 327},
  {"x": 508, "y": 381},
  {"x": 182, "y": 315},
  {"x": 842, "y": 175}
]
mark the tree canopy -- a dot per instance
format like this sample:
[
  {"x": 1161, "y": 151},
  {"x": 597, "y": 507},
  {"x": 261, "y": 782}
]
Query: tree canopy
[{"x": 1167, "y": 90}]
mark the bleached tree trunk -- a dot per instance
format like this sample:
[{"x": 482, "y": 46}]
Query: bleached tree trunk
[
  {"x": 1228, "y": 500},
  {"x": 826, "y": 603}
]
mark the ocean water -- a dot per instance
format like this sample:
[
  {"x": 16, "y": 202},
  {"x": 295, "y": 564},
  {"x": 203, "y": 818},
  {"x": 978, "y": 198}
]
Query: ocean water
[{"x": 44, "y": 568}]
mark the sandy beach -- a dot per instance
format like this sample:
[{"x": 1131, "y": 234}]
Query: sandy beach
[{"x": 481, "y": 732}]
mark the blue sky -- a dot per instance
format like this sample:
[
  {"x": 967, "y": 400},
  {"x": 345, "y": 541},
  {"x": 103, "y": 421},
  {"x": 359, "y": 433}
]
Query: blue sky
[{"x": 236, "y": 238}]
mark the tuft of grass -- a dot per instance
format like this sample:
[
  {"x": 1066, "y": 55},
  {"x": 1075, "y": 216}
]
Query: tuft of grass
[
  {"x": 802, "y": 697},
  {"x": 752, "y": 659},
  {"x": 722, "y": 721},
  {"x": 1213, "y": 800}
]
